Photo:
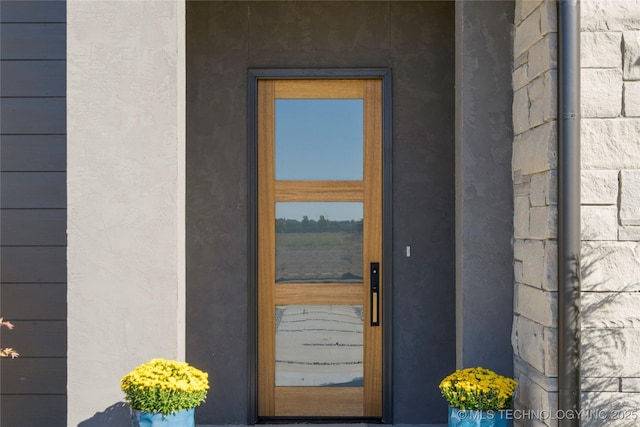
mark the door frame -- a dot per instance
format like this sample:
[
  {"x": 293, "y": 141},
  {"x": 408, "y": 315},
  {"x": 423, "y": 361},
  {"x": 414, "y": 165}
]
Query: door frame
[{"x": 254, "y": 75}]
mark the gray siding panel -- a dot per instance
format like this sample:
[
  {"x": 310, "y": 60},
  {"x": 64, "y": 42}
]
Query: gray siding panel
[
  {"x": 34, "y": 376},
  {"x": 33, "y": 115},
  {"x": 33, "y": 410},
  {"x": 33, "y": 78},
  {"x": 33, "y": 264},
  {"x": 33, "y": 301},
  {"x": 28, "y": 227},
  {"x": 33, "y": 11},
  {"x": 33, "y": 41},
  {"x": 33, "y": 190},
  {"x": 33, "y": 211},
  {"x": 36, "y": 339},
  {"x": 43, "y": 153}
]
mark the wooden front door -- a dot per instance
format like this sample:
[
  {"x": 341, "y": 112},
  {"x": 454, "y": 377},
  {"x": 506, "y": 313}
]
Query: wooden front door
[{"x": 320, "y": 285}]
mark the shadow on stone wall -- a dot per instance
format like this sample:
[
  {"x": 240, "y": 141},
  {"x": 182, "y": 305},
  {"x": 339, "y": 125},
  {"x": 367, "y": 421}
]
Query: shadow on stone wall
[
  {"x": 116, "y": 415},
  {"x": 603, "y": 348}
]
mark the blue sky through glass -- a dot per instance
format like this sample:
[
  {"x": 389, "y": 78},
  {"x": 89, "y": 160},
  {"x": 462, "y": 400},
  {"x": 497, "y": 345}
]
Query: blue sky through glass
[{"x": 319, "y": 139}]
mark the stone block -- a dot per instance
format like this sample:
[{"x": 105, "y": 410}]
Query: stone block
[
  {"x": 610, "y": 408},
  {"x": 517, "y": 176},
  {"x": 518, "y": 249},
  {"x": 524, "y": 8},
  {"x": 514, "y": 335},
  {"x": 532, "y": 262},
  {"x": 630, "y": 385},
  {"x": 538, "y": 189},
  {"x": 527, "y": 33},
  {"x": 543, "y": 222},
  {"x": 599, "y": 223},
  {"x": 550, "y": 266},
  {"x": 536, "y": 150},
  {"x": 631, "y": 54},
  {"x": 610, "y": 143},
  {"x": 552, "y": 190},
  {"x": 518, "y": 271},
  {"x": 531, "y": 396},
  {"x": 631, "y": 99},
  {"x": 600, "y": 384},
  {"x": 551, "y": 352},
  {"x": 629, "y": 233},
  {"x": 610, "y": 352},
  {"x": 549, "y": 17},
  {"x": 520, "y": 77},
  {"x": 521, "y": 60},
  {"x": 544, "y": 188},
  {"x": 610, "y": 266},
  {"x": 537, "y": 305},
  {"x": 543, "y": 56},
  {"x": 599, "y": 187},
  {"x": 601, "y": 92},
  {"x": 547, "y": 383},
  {"x": 630, "y": 197},
  {"x": 600, "y": 50},
  {"x": 528, "y": 419},
  {"x": 521, "y": 217},
  {"x": 610, "y": 309},
  {"x": 543, "y": 98},
  {"x": 520, "y": 111},
  {"x": 609, "y": 15},
  {"x": 521, "y": 186},
  {"x": 528, "y": 342}
]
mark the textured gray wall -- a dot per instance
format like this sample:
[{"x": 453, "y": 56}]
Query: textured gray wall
[
  {"x": 125, "y": 192},
  {"x": 484, "y": 192},
  {"x": 33, "y": 212},
  {"x": 416, "y": 40}
]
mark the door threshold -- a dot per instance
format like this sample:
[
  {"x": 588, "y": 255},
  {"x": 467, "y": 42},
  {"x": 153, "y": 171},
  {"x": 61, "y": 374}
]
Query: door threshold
[
  {"x": 318, "y": 421},
  {"x": 328, "y": 423}
]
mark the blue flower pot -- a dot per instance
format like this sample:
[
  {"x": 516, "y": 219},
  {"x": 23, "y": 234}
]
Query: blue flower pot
[
  {"x": 147, "y": 419},
  {"x": 473, "y": 418}
]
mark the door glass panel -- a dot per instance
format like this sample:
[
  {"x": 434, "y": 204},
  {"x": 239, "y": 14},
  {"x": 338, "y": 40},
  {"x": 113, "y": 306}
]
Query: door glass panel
[
  {"x": 319, "y": 139},
  {"x": 318, "y": 242},
  {"x": 319, "y": 345}
]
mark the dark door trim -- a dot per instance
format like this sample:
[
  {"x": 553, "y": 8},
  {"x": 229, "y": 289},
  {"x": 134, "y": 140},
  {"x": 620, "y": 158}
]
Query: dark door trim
[{"x": 252, "y": 193}]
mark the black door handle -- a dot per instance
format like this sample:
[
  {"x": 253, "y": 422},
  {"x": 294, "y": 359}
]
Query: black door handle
[{"x": 374, "y": 278}]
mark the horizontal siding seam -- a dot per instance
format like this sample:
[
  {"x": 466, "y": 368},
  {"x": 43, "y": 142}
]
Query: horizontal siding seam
[
  {"x": 34, "y": 97},
  {"x": 35, "y": 171}
]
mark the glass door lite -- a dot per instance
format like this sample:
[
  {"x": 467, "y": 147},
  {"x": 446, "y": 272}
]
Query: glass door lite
[{"x": 319, "y": 215}]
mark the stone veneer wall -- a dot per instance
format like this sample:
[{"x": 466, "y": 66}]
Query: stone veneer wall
[
  {"x": 534, "y": 166},
  {"x": 611, "y": 208}
]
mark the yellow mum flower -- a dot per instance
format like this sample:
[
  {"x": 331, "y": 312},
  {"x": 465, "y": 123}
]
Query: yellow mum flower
[
  {"x": 165, "y": 386},
  {"x": 478, "y": 388}
]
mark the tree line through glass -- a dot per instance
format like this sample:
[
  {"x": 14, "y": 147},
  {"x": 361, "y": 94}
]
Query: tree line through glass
[
  {"x": 318, "y": 251},
  {"x": 322, "y": 225}
]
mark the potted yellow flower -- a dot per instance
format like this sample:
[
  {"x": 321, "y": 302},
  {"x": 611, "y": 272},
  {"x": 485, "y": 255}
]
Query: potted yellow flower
[
  {"x": 164, "y": 393},
  {"x": 478, "y": 396}
]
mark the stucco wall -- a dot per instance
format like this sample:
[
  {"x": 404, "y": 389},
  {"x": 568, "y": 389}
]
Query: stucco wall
[
  {"x": 611, "y": 208},
  {"x": 125, "y": 198},
  {"x": 484, "y": 194},
  {"x": 415, "y": 39}
]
